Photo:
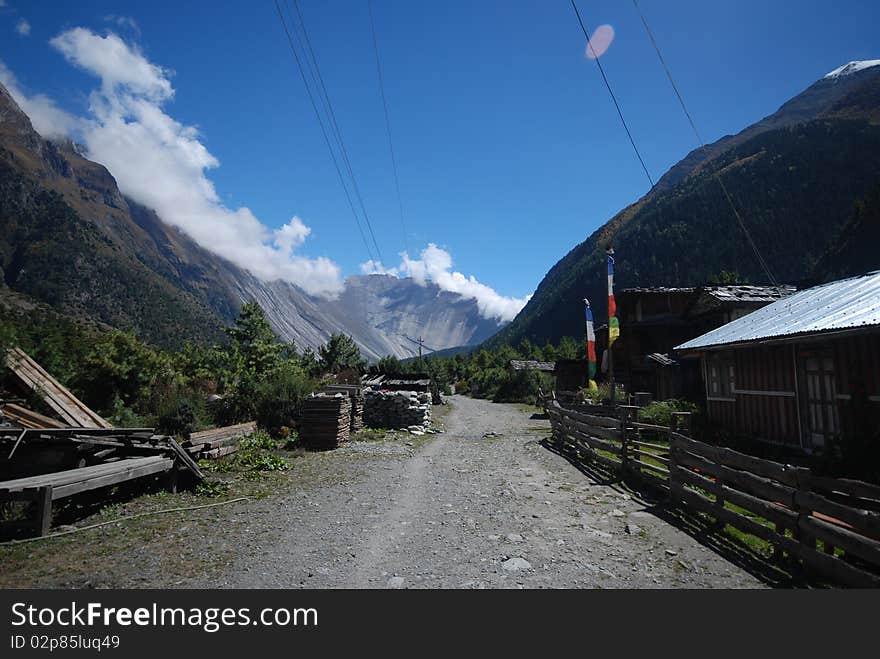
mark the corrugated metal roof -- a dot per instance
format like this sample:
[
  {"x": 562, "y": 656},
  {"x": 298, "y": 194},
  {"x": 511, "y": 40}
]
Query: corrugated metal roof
[
  {"x": 531, "y": 365},
  {"x": 749, "y": 293},
  {"x": 839, "y": 305},
  {"x": 641, "y": 290}
]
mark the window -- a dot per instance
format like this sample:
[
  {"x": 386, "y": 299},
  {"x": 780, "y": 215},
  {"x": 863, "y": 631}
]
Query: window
[{"x": 720, "y": 374}]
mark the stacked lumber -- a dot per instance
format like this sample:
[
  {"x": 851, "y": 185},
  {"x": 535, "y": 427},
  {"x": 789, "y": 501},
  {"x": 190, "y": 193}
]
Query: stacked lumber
[
  {"x": 356, "y": 393},
  {"x": 42, "y": 460},
  {"x": 325, "y": 421},
  {"x": 218, "y": 442},
  {"x": 72, "y": 410},
  {"x": 397, "y": 409},
  {"x": 89, "y": 445},
  {"x": 25, "y": 418}
]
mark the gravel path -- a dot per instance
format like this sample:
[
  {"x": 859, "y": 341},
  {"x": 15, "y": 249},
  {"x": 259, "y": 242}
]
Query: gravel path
[{"x": 463, "y": 511}]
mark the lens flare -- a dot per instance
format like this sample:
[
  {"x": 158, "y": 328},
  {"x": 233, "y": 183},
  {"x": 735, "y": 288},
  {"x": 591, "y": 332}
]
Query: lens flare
[{"x": 599, "y": 42}]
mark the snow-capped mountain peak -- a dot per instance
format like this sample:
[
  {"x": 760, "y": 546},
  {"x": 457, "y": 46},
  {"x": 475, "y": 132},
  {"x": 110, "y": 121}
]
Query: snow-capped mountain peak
[{"x": 853, "y": 67}]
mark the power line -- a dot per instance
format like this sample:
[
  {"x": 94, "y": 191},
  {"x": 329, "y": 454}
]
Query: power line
[
  {"x": 387, "y": 123},
  {"x": 611, "y": 92},
  {"x": 323, "y": 129},
  {"x": 315, "y": 71},
  {"x": 699, "y": 137}
]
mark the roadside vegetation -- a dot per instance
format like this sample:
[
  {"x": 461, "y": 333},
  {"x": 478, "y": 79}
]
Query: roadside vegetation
[
  {"x": 252, "y": 375},
  {"x": 486, "y": 373}
]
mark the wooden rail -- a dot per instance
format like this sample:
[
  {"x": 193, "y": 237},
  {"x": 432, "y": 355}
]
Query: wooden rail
[
  {"x": 786, "y": 506},
  {"x": 43, "y": 490}
]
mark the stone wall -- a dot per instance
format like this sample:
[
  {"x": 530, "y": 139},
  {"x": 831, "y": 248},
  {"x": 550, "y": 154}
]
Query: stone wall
[{"x": 397, "y": 409}]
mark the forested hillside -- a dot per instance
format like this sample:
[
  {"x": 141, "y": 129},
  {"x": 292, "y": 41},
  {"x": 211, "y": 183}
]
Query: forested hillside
[{"x": 796, "y": 186}]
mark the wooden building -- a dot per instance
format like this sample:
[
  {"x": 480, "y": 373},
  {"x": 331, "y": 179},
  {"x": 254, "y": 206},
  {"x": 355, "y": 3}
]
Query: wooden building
[
  {"x": 570, "y": 374},
  {"x": 802, "y": 372},
  {"x": 655, "y": 320}
]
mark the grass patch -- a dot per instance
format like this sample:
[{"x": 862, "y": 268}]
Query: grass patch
[
  {"x": 370, "y": 435},
  {"x": 257, "y": 452}
]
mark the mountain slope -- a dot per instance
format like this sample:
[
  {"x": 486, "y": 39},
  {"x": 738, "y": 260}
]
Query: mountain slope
[
  {"x": 69, "y": 238},
  {"x": 855, "y": 250},
  {"x": 390, "y": 314},
  {"x": 794, "y": 176}
]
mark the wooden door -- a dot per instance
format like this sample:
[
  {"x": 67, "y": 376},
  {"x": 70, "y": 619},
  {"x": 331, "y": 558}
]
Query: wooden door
[{"x": 822, "y": 419}]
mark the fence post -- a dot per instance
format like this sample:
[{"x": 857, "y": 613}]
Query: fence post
[
  {"x": 43, "y": 500},
  {"x": 627, "y": 416},
  {"x": 803, "y": 485},
  {"x": 673, "y": 470},
  {"x": 681, "y": 423},
  {"x": 719, "y": 493}
]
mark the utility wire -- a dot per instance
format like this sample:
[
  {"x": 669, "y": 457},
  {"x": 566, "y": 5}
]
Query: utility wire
[
  {"x": 387, "y": 123},
  {"x": 702, "y": 143},
  {"x": 323, "y": 129},
  {"x": 611, "y": 92},
  {"x": 315, "y": 70}
]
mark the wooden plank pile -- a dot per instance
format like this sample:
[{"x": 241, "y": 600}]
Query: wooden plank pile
[
  {"x": 42, "y": 459},
  {"x": 72, "y": 410},
  {"x": 356, "y": 393},
  {"x": 218, "y": 442},
  {"x": 21, "y": 416},
  {"x": 397, "y": 409},
  {"x": 325, "y": 421}
]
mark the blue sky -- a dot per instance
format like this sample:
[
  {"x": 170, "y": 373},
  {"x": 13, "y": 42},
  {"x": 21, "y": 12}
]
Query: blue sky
[{"x": 509, "y": 149}]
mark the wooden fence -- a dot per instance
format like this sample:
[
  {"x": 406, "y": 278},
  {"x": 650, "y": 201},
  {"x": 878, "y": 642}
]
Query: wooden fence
[{"x": 830, "y": 525}]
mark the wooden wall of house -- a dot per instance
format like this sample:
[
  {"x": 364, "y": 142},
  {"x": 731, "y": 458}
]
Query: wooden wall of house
[
  {"x": 773, "y": 414},
  {"x": 769, "y": 383},
  {"x": 858, "y": 383},
  {"x": 763, "y": 405},
  {"x": 571, "y": 375},
  {"x": 858, "y": 364}
]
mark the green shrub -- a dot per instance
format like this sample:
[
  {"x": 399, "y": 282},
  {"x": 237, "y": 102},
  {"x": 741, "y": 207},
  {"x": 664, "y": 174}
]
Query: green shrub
[
  {"x": 660, "y": 412},
  {"x": 181, "y": 412},
  {"x": 522, "y": 387},
  {"x": 278, "y": 399},
  {"x": 602, "y": 393},
  {"x": 124, "y": 417},
  {"x": 257, "y": 440}
]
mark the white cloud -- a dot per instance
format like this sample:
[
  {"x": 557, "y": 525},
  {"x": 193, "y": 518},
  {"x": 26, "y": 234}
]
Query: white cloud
[
  {"x": 291, "y": 235},
  {"x": 372, "y": 267},
  {"x": 47, "y": 118},
  {"x": 435, "y": 265},
  {"x": 121, "y": 67},
  {"x": 124, "y": 22},
  {"x": 162, "y": 164},
  {"x": 23, "y": 27}
]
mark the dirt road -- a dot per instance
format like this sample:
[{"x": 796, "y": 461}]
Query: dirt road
[{"x": 463, "y": 511}]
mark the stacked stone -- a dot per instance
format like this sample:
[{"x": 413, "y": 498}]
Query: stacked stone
[
  {"x": 356, "y": 394},
  {"x": 405, "y": 410},
  {"x": 325, "y": 421}
]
